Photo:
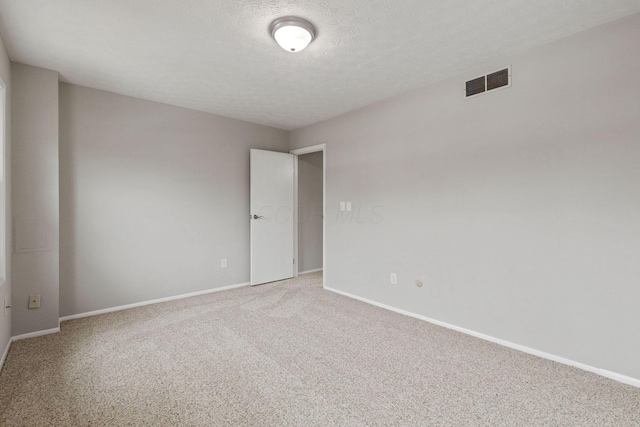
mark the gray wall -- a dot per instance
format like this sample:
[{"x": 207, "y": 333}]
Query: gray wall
[
  {"x": 310, "y": 211},
  {"x": 519, "y": 209},
  {"x": 35, "y": 194},
  {"x": 5, "y": 286},
  {"x": 152, "y": 198}
]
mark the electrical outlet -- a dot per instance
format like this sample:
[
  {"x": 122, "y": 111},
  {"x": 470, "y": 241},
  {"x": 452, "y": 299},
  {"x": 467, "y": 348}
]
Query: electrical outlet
[
  {"x": 394, "y": 279},
  {"x": 34, "y": 301},
  {"x": 223, "y": 263}
]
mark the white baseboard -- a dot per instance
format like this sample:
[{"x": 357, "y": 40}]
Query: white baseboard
[
  {"x": 155, "y": 301},
  {"x": 36, "y": 334},
  {"x": 612, "y": 375},
  {"x": 300, "y": 273},
  {"x": 6, "y": 351}
]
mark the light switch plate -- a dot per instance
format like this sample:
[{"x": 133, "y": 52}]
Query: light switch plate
[
  {"x": 348, "y": 206},
  {"x": 342, "y": 206}
]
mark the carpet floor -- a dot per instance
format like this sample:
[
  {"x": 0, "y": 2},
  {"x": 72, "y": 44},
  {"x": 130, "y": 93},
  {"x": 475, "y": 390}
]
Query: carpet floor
[{"x": 291, "y": 354}]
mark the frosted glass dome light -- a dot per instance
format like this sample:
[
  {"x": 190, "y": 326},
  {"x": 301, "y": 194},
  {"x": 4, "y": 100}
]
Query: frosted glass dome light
[{"x": 292, "y": 34}]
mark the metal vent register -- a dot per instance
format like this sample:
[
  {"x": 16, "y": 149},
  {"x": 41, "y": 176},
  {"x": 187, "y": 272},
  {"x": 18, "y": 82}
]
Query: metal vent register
[{"x": 488, "y": 82}]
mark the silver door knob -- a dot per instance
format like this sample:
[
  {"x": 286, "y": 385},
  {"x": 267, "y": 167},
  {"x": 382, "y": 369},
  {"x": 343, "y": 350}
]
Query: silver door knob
[{"x": 256, "y": 217}]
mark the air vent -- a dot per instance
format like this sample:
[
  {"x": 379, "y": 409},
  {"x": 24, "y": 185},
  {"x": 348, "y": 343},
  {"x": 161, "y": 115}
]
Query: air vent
[
  {"x": 488, "y": 82},
  {"x": 476, "y": 86}
]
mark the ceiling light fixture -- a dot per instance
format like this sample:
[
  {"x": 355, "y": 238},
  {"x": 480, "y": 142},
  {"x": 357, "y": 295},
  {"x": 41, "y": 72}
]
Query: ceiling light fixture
[{"x": 293, "y": 34}]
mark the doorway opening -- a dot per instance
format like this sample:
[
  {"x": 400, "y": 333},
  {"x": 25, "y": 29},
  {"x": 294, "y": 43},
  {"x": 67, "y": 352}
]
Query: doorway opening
[{"x": 310, "y": 205}]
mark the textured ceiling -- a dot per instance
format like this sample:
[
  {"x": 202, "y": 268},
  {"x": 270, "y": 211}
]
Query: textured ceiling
[{"x": 217, "y": 55}]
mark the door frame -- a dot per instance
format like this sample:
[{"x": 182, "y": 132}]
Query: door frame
[{"x": 296, "y": 153}]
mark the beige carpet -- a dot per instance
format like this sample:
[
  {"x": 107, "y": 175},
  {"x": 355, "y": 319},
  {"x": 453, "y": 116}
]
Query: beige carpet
[{"x": 290, "y": 353}]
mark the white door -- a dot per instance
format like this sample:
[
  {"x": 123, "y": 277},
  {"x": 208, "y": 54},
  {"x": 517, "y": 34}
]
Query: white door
[{"x": 272, "y": 216}]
